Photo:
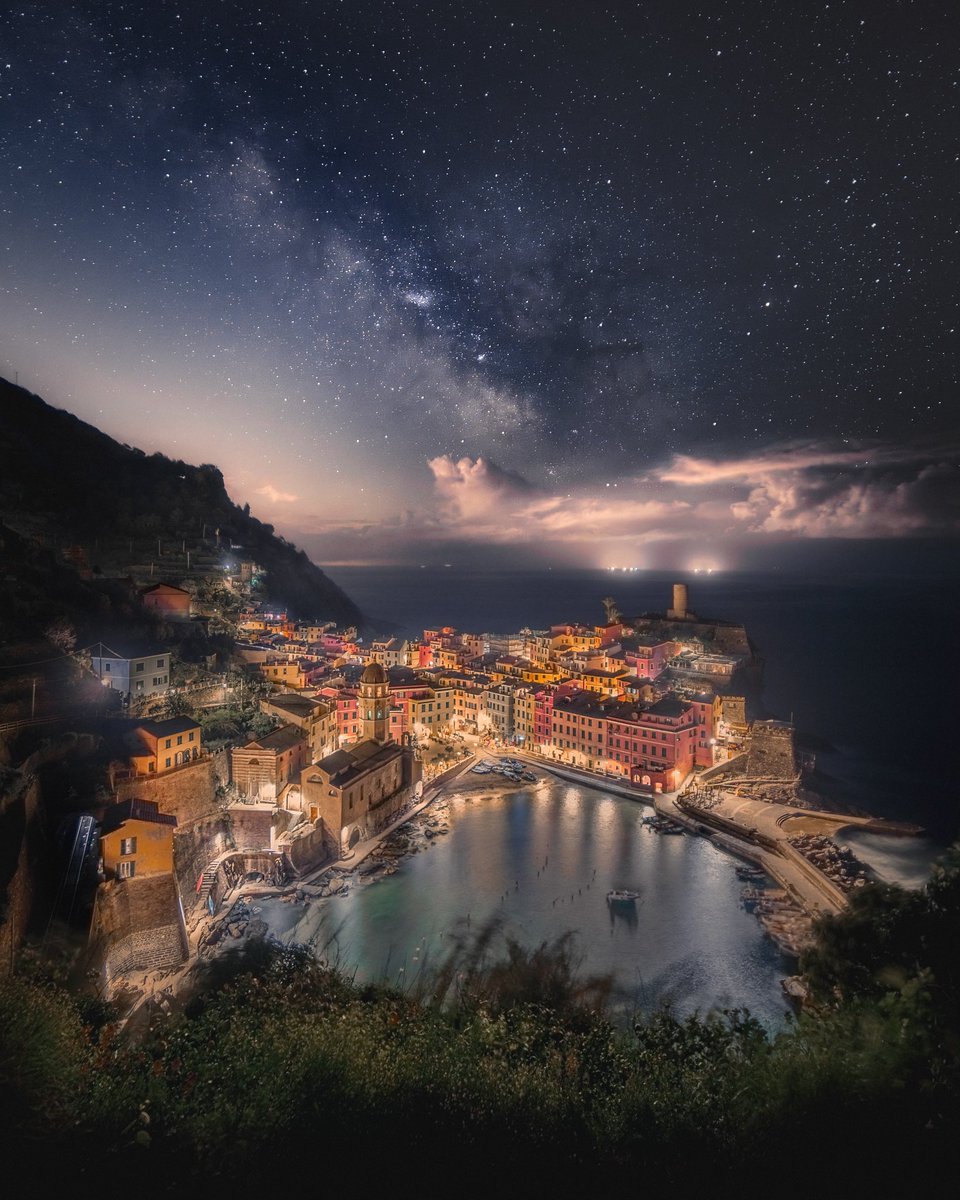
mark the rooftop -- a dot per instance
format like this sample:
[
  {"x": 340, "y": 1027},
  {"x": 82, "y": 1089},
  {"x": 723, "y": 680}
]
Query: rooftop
[
  {"x": 166, "y": 728},
  {"x": 281, "y": 739},
  {"x": 134, "y": 810},
  {"x": 343, "y": 766}
]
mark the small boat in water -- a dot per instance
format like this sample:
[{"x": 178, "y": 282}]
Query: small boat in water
[{"x": 622, "y": 896}]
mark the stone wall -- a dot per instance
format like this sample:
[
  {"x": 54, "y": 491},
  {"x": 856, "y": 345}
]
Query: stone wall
[
  {"x": 306, "y": 847},
  {"x": 771, "y": 753},
  {"x": 252, "y": 826},
  {"x": 733, "y": 768},
  {"x": 188, "y": 792},
  {"x": 137, "y": 926},
  {"x": 195, "y": 846}
]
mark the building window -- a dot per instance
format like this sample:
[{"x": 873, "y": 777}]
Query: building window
[
  {"x": 159, "y": 662},
  {"x": 180, "y": 740},
  {"x": 125, "y": 870},
  {"x": 190, "y": 737},
  {"x": 167, "y": 763},
  {"x": 106, "y": 667},
  {"x": 166, "y": 744},
  {"x": 128, "y": 845},
  {"x": 139, "y": 668}
]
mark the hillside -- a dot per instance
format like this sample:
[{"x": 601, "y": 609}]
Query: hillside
[{"x": 119, "y": 511}]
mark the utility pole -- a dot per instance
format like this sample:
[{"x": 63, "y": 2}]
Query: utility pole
[{"x": 33, "y": 698}]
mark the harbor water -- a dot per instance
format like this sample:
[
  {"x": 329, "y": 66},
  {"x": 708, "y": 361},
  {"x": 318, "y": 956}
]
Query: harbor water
[{"x": 541, "y": 860}]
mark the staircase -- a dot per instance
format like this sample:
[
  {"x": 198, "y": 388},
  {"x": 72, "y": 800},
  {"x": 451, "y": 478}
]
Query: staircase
[{"x": 207, "y": 877}]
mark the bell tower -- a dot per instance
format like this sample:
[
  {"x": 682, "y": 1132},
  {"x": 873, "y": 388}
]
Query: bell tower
[{"x": 373, "y": 704}]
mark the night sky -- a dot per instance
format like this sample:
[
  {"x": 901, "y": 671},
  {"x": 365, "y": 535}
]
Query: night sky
[{"x": 601, "y": 284}]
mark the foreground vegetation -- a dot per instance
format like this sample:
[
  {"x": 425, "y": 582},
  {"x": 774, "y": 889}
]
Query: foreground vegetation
[{"x": 281, "y": 1074}]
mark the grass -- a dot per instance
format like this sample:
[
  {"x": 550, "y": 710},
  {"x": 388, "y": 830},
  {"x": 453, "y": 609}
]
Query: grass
[{"x": 498, "y": 1072}]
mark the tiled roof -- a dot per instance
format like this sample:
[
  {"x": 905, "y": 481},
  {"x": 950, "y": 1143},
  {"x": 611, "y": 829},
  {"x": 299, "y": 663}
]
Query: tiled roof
[{"x": 135, "y": 810}]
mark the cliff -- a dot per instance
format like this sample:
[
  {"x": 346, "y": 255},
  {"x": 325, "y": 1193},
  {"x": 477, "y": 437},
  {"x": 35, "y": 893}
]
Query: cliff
[{"x": 80, "y": 492}]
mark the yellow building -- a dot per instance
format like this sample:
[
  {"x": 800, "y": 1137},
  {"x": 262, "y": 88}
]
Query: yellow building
[
  {"x": 136, "y": 839},
  {"x": 524, "y": 707},
  {"x": 158, "y": 746},
  {"x": 290, "y": 674}
]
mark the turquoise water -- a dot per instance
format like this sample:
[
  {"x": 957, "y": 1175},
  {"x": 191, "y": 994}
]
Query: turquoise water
[{"x": 541, "y": 860}]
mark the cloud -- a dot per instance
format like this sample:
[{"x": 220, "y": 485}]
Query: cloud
[
  {"x": 480, "y": 501},
  {"x": 274, "y": 495},
  {"x": 806, "y": 491},
  {"x": 474, "y": 491},
  {"x": 820, "y": 490},
  {"x": 879, "y": 503},
  {"x": 769, "y": 497}
]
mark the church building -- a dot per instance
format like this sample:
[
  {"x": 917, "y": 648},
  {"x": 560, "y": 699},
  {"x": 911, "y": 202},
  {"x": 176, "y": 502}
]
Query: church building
[{"x": 358, "y": 789}]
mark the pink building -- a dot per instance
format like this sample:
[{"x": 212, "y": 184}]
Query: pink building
[{"x": 650, "y": 658}]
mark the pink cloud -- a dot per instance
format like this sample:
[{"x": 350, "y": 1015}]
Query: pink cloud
[{"x": 274, "y": 495}]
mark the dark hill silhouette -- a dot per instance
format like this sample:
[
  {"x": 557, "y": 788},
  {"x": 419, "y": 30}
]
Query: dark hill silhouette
[{"x": 71, "y": 484}]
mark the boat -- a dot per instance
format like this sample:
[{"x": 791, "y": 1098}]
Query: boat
[
  {"x": 529, "y": 777},
  {"x": 480, "y": 769},
  {"x": 622, "y": 896}
]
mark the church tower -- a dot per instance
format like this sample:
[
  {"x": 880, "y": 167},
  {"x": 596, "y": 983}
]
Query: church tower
[{"x": 373, "y": 704}]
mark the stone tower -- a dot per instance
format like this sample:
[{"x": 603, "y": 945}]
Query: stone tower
[
  {"x": 373, "y": 704},
  {"x": 679, "y": 610}
]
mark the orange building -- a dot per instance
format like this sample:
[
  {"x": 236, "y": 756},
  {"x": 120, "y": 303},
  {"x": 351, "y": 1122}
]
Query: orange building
[
  {"x": 158, "y": 746},
  {"x": 167, "y": 600},
  {"x": 136, "y": 838}
]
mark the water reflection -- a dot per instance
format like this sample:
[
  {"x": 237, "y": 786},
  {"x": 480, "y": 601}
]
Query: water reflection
[{"x": 542, "y": 861}]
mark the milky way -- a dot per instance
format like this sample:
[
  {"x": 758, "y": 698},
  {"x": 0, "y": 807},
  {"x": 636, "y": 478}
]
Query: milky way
[{"x": 350, "y": 251}]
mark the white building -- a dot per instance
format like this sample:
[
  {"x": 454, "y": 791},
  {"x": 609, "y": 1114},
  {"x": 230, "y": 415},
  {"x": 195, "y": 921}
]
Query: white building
[{"x": 135, "y": 674}]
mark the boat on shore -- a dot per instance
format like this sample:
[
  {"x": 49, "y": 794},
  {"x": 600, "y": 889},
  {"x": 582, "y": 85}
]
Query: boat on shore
[{"x": 661, "y": 824}]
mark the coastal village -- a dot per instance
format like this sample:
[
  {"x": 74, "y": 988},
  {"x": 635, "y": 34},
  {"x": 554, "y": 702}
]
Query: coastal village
[{"x": 287, "y": 768}]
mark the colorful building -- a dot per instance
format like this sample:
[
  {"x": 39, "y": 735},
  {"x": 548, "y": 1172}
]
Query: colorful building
[
  {"x": 167, "y": 601},
  {"x": 158, "y": 746},
  {"x": 136, "y": 839}
]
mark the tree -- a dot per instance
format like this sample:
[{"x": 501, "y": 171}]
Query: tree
[
  {"x": 613, "y": 614},
  {"x": 62, "y": 635}
]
